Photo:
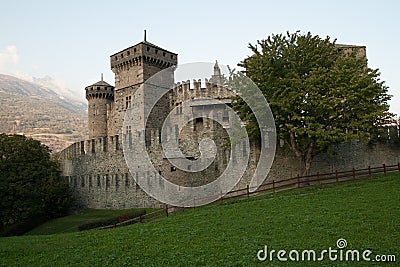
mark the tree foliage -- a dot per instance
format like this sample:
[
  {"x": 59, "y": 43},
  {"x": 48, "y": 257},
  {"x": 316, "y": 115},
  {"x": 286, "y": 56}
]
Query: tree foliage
[
  {"x": 31, "y": 191},
  {"x": 318, "y": 94}
]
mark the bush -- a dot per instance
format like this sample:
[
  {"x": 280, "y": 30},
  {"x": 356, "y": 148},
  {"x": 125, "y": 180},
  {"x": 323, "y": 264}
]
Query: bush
[
  {"x": 112, "y": 221},
  {"x": 30, "y": 186}
]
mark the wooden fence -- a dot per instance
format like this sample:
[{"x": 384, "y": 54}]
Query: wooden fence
[
  {"x": 311, "y": 180},
  {"x": 273, "y": 187}
]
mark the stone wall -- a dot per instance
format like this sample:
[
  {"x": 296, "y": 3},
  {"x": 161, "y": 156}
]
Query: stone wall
[
  {"x": 342, "y": 157},
  {"x": 99, "y": 177}
]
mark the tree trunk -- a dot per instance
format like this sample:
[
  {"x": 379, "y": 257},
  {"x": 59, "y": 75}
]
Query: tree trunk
[
  {"x": 305, "y": 160},
  {"x": 305, "y": 156},
  {"x": 308, "y": 157}
]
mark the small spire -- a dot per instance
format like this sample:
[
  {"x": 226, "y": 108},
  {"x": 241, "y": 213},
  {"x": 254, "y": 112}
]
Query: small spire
[
  {"x": 102, "y": 77},
  {"x": 145, "y": 35},
  {"x": 217, "y": 70}
]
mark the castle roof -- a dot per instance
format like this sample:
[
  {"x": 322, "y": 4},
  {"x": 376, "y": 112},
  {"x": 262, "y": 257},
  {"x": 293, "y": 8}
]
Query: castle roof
[
  {"x": 348, "y": 46},
  {"x": 144, "y": 43},
  {"x": 100, "y": 83}
]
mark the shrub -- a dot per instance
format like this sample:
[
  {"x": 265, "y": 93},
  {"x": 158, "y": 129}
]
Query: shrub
[
  {"x": 112, "y": 221},
  {"x": 30, "y": 186}
]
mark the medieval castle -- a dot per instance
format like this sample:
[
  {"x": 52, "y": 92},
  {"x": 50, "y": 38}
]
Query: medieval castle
[{"x": 96, "y": 169}]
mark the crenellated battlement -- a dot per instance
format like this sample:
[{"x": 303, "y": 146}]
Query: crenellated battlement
[
  {"x": 187, "y": 90},
  {"x": 100, "y": 90},
  {"x": 143, "y": 52},
  {"x": 92, "y": 146}
]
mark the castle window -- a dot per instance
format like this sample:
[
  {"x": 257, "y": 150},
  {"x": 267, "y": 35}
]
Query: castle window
[
  {"x": 134, "y": 50},
  {"x": 90, "y": 181},
  {"x": 116, "y": 142},
  {"x": 198, "y": 124},
  {"x": 129, "y": 135},
  {"x": 82, "y": 147},
  {"x": 172, "y": 56},
  {"x": 163, "y": 54},
  {"x": 98, "y": 181},
  {"x": 107, "y": 180},
  {"x": 156, "y": 51},
  {"x": 105, "y": 144},
  {"x": 116, "y": 180},
  {"x": 93, "y": 146},
  {"x": 128, "y": 53},
  {"x": 122, "y": 55},
  {"x": 116, "y": 57},
  {"x": 82, "y": 181},
  {"x": 148, "y": 48},
  {"x": 128, "y": 102},
  {"x": 173, "y": 168},
  {"x": 126, "y": 180}
]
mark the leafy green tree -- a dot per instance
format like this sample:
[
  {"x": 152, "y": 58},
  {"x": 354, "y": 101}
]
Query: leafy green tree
[
  {"x": 31, "y": 191},
  {"x": 318, "y": 94}
]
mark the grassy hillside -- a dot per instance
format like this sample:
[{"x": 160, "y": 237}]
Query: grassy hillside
[
  {"x": 71, "y": 223},
  {"x": 365, "y": 213}
]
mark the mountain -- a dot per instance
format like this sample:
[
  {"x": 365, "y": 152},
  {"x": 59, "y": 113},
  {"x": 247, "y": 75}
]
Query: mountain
[
  {"x": 37, "y": 111},
  {"x": 49, "y": 82}
]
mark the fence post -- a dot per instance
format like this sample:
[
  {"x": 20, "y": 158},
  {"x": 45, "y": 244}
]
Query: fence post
[
  {"x": 273, "y": 186},
  {"x": 166, "y": 210},
  {"x": 337, "y": 176},
  {"x": 248, "y": 192},
  {"x": 140, "y": 218},
  {"x": 298, "y": 180},
  {"x": 369, "y": 171},
  {"x": 384, "y": 168},
  {"x": 354, "y": 173}
]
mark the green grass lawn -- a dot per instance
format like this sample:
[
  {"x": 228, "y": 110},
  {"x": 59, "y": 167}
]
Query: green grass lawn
[
  {"x": 366, "y": 213},
  {"x": 71, "y": 223}
]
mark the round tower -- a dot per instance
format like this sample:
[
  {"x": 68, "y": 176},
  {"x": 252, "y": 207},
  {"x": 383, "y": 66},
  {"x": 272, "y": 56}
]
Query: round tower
[{"x": 100, "y": 96}]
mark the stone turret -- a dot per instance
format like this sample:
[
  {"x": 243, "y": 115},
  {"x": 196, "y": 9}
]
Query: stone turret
[
  {"x": 100, "y": 96},
  {"x": 217, "y": 78}
]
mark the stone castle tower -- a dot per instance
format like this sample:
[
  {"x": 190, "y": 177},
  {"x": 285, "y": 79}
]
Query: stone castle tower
[
  {"x": 132, "y": 67},
  {"x": 100, "y": 97}
]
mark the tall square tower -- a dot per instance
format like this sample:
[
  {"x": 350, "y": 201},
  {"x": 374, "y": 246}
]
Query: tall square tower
[{"x": 132, "y": 67}]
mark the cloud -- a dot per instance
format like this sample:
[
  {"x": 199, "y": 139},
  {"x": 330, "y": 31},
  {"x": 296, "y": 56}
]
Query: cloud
[
  {"x": 10, "y": 63},
  {"x": 9, "y": 58}
]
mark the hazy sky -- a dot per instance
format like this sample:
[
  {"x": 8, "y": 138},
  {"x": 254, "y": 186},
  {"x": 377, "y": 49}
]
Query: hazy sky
[{"x": 71, "y": 41}]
